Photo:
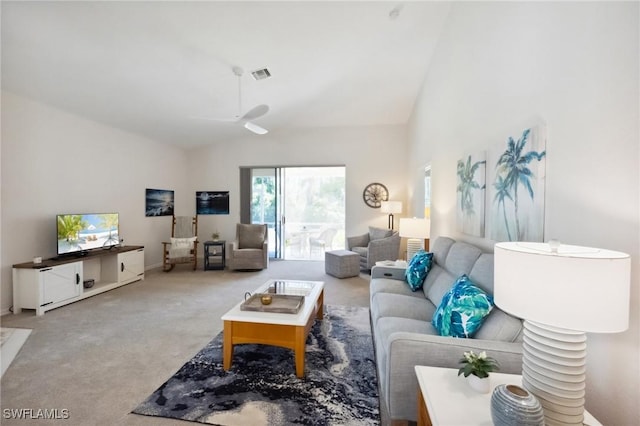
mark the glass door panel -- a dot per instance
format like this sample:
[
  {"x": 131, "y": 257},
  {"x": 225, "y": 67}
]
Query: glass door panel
[{"x": 303, "y": 207}]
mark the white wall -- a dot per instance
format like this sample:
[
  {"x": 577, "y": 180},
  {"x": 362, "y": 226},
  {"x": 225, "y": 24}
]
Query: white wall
[
  {"x": 370, "y": 154},
  {"x": 54, "y": 162},
  {"x": 502, "y": 66}
]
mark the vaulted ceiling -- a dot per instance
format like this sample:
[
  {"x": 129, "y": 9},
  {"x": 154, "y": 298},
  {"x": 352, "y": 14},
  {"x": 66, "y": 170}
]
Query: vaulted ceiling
[{"x": 156, "y": 68}]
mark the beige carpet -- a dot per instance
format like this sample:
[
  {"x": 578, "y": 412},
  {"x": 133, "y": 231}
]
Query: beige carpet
[
  {"x": 98, "y": 358},
  {"x": 11, "y": 340}
]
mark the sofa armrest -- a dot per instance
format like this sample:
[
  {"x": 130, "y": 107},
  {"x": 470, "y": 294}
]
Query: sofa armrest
[
  {"x": 406, "y": 350},
  {"x": 358, "y": 241},
  {"x": 392, "y": 272}
]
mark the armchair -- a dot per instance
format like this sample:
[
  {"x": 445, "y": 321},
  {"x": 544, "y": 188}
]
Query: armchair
[
  {"x": 378, "y": 244},
  {"x": 249, "y": 250}
]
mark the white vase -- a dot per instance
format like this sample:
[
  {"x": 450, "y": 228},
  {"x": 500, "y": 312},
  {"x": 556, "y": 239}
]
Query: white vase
[{"x": 477, "y": 384}]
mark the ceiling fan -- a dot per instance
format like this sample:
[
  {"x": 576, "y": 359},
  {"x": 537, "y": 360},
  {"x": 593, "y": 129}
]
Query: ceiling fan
[{"x": 246, "y": 119}]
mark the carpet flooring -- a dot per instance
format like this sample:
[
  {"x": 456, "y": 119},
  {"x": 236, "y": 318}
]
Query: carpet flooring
[
  {"x": 11, "y": 340},
  {"x": 261, "y": 388}
]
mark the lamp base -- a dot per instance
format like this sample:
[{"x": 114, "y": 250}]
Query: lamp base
[
  {"x": 553, "y": 369},
  {"x": 414, "y": 245}
]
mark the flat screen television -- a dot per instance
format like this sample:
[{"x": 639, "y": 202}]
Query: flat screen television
[{"x": 79, "y": 233}]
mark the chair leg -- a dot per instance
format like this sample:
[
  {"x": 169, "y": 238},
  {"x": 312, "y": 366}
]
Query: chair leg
[{"x": 167, "y": 266}]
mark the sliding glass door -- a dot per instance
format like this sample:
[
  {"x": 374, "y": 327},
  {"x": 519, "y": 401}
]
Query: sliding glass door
[{"x": 304, "y": 208}]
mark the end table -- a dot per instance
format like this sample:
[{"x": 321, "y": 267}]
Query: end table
[
  {"x": 214, "y": 255},
  {"x": 446, "y": 399}
]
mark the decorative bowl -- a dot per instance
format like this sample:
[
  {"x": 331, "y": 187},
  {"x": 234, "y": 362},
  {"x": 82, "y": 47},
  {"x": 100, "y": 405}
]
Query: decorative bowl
[{"x": 266, "y": 299}]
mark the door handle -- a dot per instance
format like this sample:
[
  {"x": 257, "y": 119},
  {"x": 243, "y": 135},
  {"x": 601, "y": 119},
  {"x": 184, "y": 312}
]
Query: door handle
[
  {"x": 121, "y": 266},
  {"x": 77, "y": 278}
]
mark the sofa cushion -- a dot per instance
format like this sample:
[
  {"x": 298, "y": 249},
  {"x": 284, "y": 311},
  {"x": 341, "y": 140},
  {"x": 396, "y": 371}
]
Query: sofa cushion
[
  {"x": 502, "y": 327},
  {"x": 462, "y": 310},
  {"x": 379, "y": 233},
  {"x": 387, "y": 305},
  {"x": 182, "y": 243},
  {"x": 418, "y": 269}
]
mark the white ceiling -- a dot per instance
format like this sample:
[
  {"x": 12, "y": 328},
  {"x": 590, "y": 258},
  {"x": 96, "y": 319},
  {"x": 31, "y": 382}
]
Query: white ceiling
[{"x": 151, "y": 67}]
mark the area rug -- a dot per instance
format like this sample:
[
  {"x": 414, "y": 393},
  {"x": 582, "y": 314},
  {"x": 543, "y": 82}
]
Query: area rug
[{"x": 339, "y": 388}]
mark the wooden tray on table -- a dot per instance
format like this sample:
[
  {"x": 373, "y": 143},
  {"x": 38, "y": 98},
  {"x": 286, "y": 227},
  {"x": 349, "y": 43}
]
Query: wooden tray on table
[{"x": 280, "y": 303}]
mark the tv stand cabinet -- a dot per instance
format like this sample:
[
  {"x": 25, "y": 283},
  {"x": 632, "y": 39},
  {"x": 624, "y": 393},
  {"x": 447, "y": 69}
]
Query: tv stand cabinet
[{"x": 59, "y": 281}]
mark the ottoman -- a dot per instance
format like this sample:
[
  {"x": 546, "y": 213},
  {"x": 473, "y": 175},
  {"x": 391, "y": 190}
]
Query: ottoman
[{"x": 342, "y": 263}]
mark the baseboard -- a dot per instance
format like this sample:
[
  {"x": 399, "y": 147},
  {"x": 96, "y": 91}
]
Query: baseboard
[{"x": 5, "y": 311}]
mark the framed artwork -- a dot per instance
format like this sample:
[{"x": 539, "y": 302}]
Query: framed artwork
[
  {"x": 159, "y": 202},
  {"x": 470, "y": 194},
  {"x": 516, "y": 174},
  {"x": 212, "y": 202}
]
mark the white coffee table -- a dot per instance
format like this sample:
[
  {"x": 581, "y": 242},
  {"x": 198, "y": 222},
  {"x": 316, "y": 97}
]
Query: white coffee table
[
  {"x": 276, "y": 329},
  {"x": 446, "y": 399}
]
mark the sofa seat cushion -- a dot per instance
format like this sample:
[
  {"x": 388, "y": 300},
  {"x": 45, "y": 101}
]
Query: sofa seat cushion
[
  {"x": 389, "y": 285},
  {"x": 396, "y": 305}
]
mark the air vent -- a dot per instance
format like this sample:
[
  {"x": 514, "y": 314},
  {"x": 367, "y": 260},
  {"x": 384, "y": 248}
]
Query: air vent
[{"x": 261, "y": 74}]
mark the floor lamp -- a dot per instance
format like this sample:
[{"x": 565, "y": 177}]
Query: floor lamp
[
  {"x": 416, "y": 230},
  {"x": 561, "y": 292},
  {"x": 391, "y": 207}
]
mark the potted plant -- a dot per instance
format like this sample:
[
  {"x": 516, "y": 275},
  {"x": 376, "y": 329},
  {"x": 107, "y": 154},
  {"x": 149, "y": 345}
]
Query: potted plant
[
  {"x": 476, "y": 368},
  {"x": 215, "y": 235}
]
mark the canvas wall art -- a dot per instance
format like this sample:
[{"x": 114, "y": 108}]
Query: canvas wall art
[
  {"x": 516, "y": 175},
  {"x": 470, "y": 212},
  {"x": 159, "y": 202},
  {"x": 212, "y": 202}
]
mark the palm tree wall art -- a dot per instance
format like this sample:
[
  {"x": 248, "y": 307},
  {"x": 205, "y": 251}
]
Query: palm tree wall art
[
  {"x": 516, "y": 192},
  {"x": 470, "y": 212}
]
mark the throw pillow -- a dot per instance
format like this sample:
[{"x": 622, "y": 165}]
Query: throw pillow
[
  {"x": 182, "y": 243},
  {"x": 462, "y": 309},
  {"x": 418, "y": 269},
  {"x": 379, "y": 233}
]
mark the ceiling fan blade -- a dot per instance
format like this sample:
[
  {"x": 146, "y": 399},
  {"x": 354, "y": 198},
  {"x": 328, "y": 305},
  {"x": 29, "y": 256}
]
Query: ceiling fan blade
[
  {"x": 256, "y": 112},
  {"x": 225, "y": 120},
  {"x": 255, "y": 128}
]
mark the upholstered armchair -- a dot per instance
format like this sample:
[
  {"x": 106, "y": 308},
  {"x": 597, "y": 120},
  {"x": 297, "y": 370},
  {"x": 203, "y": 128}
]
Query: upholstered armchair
[
  {"x": 376, "y": 245},
  {"x": 249, "y": 250}
]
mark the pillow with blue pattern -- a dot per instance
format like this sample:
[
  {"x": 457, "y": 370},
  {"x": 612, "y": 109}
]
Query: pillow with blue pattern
[
  {"x": 462, "y": 309},
  {"x": 417, "y": 270}
]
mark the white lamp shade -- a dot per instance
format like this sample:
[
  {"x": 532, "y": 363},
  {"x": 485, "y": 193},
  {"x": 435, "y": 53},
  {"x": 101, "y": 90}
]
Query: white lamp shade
[
  {"x": 415, "y": 228},
  {"x": 575, "y": 288},
  {"x": 391, "y": 207}
]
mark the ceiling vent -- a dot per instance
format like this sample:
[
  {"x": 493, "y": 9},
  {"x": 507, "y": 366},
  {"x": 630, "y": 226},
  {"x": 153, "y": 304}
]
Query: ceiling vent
[{"x": 261, "y": 74}]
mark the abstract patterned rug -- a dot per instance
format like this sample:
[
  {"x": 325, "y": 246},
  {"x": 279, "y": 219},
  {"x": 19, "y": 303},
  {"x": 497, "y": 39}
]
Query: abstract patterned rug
[{"x": 340, "y": 386}]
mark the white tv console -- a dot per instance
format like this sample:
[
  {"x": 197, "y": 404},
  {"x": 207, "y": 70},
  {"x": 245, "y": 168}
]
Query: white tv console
[{"x": 59, "y": 281}]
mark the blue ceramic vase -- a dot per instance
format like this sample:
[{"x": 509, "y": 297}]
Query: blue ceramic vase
[{"x": 513, "y": 405}]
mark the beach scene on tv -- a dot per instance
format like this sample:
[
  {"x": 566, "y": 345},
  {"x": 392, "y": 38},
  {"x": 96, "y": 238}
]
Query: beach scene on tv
[{"x": 79, "y": 232}]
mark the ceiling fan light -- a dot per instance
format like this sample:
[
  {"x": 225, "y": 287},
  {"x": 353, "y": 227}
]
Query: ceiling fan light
[{"x": 255, "y": 128}]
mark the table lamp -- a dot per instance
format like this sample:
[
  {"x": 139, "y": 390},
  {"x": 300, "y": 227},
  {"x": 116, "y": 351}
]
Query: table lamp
[
  {"x": 391, "y": 207},
  {"x": 561, "y": 292},
  {"x": 416, "y": 230}
]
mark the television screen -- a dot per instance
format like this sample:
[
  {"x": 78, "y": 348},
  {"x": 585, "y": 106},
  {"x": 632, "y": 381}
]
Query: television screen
[{"x": 82, "y": 232}]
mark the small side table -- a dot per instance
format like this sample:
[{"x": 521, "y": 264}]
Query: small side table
[
  {"x": 446, "y": 399},
  {"x": 214, "y": 255}
]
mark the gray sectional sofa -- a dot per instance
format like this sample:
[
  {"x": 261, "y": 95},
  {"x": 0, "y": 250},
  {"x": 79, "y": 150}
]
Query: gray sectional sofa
[{"x": 402, "y": 330}]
